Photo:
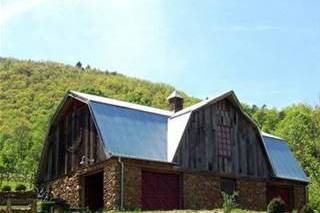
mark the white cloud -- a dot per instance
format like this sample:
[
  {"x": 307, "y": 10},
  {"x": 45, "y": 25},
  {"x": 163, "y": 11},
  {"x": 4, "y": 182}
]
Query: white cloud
[{"x": 16, "y": 8}]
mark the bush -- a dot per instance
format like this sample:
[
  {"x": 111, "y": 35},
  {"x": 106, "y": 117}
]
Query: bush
[
  {"x": 229, "y": 201},
  {"x": 21, "y": 188},
  {"x": 276, "y": 205},
  {"x": 307, "y": 209},
  {"x": 6, "y": 188}
]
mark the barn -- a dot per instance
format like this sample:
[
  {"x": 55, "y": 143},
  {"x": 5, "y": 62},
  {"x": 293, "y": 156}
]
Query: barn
[{"x": 110, "y": 154}]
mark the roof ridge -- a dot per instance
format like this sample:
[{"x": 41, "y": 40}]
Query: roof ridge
[
  {"x": 111, "y": 101},
  {"x": 265, "y": 134},
  {"x": 203, "y": 103}
]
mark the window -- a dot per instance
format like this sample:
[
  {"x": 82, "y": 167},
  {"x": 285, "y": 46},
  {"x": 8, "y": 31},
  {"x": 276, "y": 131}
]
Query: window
[
  {"x": 228, "y": 185},
  {"x": 224, "y": 141}
]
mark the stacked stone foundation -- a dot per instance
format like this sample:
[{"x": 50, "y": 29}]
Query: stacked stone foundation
[{"x": 198, "y": 190}]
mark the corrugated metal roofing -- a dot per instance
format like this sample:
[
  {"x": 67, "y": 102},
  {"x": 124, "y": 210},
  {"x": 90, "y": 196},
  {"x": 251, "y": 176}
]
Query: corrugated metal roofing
[
  {"x": 104, "y": 100},
  {"x": 130, "y": 132},
  {"x": 283, "y": 162}
]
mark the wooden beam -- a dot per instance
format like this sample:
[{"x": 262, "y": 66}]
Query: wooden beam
[
  {"x": 66, "y": 143},
  {"x": 73, "y": 135},
  {"x": 86, "y": 136},
  {"x": 57, "y": 143},
  {"x": 91, "y": 141}
]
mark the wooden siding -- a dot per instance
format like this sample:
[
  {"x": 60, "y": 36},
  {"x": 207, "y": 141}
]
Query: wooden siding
[
  {"x": 199, "y": 147},
  {"x": 72, "y": 136}
]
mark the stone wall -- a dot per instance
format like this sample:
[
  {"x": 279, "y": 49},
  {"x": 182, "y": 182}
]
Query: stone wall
[
  {"x": 252, "y": 194},
  {"x": 67, "y": 188},
  {"x": 201, "y": 191},
  {"x": 111, "y": 184},
  {"x": 299, "y": 196},
  {"x": 132, "y": 191},
  {"x": 71, "y": 187}
]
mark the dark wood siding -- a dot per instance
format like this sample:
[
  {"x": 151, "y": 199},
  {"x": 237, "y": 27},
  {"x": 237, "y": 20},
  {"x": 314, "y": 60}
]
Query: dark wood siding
[
  {"x": 72, "y": 143},
  {"x": 211, "y": 132}
]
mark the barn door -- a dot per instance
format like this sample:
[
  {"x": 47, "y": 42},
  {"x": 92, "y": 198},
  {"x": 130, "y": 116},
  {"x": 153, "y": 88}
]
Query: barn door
[
  {"x": 94, "y": 191},
  {"x": 285, "y": 192},
  {"x": 160, "y": 191}
]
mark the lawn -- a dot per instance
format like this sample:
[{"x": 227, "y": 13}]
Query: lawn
[{"x": 190, "y": 211}]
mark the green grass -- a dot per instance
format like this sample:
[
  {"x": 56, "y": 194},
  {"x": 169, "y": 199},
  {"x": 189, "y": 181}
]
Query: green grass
[{"x": 190, "y": 211}]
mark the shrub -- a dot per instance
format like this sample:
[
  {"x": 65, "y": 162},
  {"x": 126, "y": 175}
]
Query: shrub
[
  {"x": 21, "y": 188},
  {"x": 6, "y": 188},
  {"x": 307, "y": 209},
  {"x": 229, "y": 201},
  {"x": 276, "y": 205}
]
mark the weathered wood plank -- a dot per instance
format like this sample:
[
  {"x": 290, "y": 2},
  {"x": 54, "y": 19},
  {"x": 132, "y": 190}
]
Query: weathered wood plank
[
  {"x": 199, "y": 148},
  {"x": 73, "y": 135},
  {"x": 86, "y": 136},
  {"x": 57, "y": 143}
]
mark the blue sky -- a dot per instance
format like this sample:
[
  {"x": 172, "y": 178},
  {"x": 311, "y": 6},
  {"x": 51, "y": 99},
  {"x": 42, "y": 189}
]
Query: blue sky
[{"x": 268, "y": 52}]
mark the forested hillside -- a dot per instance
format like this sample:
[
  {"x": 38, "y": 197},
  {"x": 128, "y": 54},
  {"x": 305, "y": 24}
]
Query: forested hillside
[{"x": 30, "y": 92}]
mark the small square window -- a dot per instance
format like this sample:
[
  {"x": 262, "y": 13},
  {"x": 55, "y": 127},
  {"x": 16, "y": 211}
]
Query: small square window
[{"x": 228, "y": 185}]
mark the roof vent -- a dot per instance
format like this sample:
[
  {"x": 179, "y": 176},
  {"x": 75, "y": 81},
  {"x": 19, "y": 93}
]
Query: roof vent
[{"x": 175, "y": 101}]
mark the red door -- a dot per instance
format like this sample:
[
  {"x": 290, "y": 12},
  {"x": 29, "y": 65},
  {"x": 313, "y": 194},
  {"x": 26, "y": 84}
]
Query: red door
[
  {"x": 285, "y": 192},
  {"x": 160, "y": 191}
]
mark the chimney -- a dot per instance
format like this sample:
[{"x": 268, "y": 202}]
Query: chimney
[{"x": 175, "y": 101}]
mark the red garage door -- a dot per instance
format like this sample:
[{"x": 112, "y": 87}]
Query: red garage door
[
  {"x": 285, "y": 192},
  {"x": 160, "y": 191}
]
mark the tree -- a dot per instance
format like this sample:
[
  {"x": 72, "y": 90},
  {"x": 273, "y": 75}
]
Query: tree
[{"x": 79, "y": 65}]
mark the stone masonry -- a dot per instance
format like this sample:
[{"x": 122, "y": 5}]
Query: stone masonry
[
  {"x": 299, "y": 196},
  {"x": 67, "y": 188},
  {"x": 252, "y": 194},
  {"x": 111, "y": 184},
  {"x": 201, "y": 191},
  {"x": 198, "y": 190},
  {"x": 132, "y": 192}
]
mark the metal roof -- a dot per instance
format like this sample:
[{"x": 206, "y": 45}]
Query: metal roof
[
  {"x": 206, "y": 102},
  {"x": 137, "y": 131},
  {"x": 283, "y": 162},
  {"x": 131, "y": 133},
  {"x": 176, "y": 127},
  {"x": 88, "y": 97}
]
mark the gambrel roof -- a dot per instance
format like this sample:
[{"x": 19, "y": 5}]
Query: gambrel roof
[
  {"x": 128, "y": 129},
  {"x": 283, "y": 162},
  {"x": 137, "y": 131}
]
